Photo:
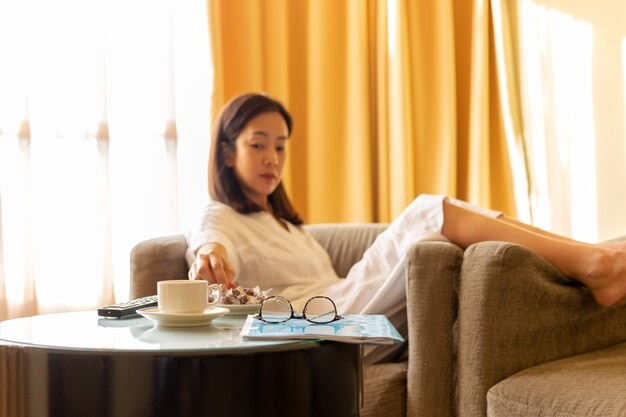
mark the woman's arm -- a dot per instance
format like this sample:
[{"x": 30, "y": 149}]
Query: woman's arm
[{"x": 212, "y": 265}]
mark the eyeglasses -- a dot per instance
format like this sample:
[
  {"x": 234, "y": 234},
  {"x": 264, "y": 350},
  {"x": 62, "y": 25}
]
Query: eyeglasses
[{"x": 318, "y": 309}]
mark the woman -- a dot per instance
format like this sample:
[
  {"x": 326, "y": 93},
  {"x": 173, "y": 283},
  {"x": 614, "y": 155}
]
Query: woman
[{"x": 250, "y": 232}]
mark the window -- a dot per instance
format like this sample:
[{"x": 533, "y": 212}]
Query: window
[
  {"x": 104, "y": 135},
  {"x": 557, "y": 80}
]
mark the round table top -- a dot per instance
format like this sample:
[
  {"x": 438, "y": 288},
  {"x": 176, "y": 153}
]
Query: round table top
[{"x": 87, "y": 331}]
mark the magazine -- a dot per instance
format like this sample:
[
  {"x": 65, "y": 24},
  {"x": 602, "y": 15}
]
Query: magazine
[{"x": 352, "y": 328}]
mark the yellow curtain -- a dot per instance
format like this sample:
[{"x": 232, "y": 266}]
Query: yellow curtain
[
  {"x": 507, "y": 56},
  {"x": 391, "y": 98}
]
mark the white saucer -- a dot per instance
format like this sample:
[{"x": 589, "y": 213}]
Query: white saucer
[
  {"x": 241, "y": 309},
  {"x": 203, "y": 318}
]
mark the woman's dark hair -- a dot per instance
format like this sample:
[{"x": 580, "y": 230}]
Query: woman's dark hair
[{"x": 223, "y": 185}]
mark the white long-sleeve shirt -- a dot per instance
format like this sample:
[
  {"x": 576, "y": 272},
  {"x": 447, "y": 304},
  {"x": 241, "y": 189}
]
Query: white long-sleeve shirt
[{"x": 289, "y": 261}]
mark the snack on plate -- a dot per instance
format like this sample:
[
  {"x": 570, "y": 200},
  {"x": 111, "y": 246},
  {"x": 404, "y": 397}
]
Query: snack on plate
[{"x": 243, "y": 295}]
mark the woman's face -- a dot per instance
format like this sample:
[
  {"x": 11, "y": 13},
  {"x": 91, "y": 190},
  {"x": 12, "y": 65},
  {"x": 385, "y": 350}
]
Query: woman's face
[{"x": 260, "y": 155}]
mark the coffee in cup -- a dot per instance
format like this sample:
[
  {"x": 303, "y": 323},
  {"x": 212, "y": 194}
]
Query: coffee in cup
[{"x": 186, "y": 296}]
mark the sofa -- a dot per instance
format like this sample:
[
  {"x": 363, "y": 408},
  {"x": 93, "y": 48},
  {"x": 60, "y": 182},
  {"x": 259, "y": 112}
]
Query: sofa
[{"x": 492, "y": 330}]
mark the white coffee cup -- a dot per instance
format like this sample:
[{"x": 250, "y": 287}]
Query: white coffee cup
[{"x": 186, "y": 296}]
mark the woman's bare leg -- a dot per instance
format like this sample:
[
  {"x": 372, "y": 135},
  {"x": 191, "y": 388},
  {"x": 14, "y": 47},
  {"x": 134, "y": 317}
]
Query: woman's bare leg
[
  {"x": 601, "y": 268},
  {"x": 536, "y": 229},
  {"x": 615, "y": 245}
]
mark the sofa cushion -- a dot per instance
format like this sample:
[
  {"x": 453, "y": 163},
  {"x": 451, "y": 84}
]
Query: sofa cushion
[
  {"x": 345, "y": 243},
  {"x": 591, "y": 384},
  {"x": 384, "y": 390}
]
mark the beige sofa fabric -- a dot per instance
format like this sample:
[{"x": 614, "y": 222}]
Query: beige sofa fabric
[
  {"x": 433, "y": 269},
  {"x": 345, "y": 243},
  {"x": 591, "y": 384},
  {"x": 154, "y": 260},
  {"x": 516, "y": 311},
  {"x": 384, "y": 390}
]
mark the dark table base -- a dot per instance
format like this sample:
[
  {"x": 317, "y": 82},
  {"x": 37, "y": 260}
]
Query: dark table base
[{"x": 317, "y": 380}]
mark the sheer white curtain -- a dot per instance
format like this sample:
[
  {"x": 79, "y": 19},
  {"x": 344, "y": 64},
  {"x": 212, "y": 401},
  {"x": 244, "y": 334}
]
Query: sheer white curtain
[
  {"x": 557, "y": 88},
  {"x": 104, "y": 135}
]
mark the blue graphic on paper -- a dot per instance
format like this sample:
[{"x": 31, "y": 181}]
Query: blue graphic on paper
[{"x": 352, "y": 328}]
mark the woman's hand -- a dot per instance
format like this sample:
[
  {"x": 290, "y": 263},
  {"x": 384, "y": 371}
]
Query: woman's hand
[{"x": 212, "y": 265}]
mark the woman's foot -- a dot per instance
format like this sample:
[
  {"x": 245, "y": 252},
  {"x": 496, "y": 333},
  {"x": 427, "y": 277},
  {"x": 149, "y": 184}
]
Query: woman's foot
[{"x": 606, "y": 275}]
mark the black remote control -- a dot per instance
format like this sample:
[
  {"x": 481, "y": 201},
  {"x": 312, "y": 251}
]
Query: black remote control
[{"x": 128, "y": 308}]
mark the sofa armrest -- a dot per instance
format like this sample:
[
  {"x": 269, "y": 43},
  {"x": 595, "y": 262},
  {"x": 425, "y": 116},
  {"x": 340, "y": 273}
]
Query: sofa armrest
[
  {"x": 433, "y": 269},
  {"x": 516, "y": 310},
  {"x": 154, "y": 260}
]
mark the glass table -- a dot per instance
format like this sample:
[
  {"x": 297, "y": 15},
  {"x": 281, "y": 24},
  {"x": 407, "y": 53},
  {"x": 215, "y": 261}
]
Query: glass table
[{"x": 79, "y": 364}]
